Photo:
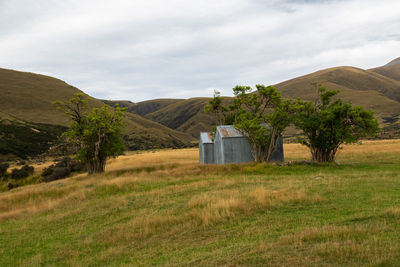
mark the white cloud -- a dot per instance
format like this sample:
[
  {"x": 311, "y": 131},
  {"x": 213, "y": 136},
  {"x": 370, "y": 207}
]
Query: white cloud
[{"x": 148, "y": 49}]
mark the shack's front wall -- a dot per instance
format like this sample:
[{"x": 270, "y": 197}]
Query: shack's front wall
[
  {"x": 236, "y": 150},
  {"x": 208, "y": 152},
  {"x": 201, "y": 153},
  {"x": 218, "y": 149}
]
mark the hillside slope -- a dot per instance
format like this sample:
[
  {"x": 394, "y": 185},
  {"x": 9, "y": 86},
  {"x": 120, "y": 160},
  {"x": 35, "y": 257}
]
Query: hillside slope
[
  {"x": 350, "y": 79},
  {"x": 144, "y": 107},
  {"x": 187, "y": 116},
  {"x": 362, "y": 88},
  {"x": 366, "y": 88},
  {"x": 391, "y": 70},
  {"x": 27, "y": 98}
]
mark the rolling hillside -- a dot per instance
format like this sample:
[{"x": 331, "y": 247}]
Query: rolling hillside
[
  {"x": 187, "y": 116},
  {"x": 391, "y": 70},
  {"x": 360, "y": 87},
  {"x": 376, "y": 89},
  {"x": 144, "y": 107},
  {"x": 26, "y": 102}
]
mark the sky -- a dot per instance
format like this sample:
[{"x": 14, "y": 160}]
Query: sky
[{"x": 145, "y": 49}]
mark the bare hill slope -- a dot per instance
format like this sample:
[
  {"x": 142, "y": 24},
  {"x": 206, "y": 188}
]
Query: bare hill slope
[{"x": 391, "y": 70}]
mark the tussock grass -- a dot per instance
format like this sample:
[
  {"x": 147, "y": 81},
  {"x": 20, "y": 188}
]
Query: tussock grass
[{"x": 162, "y": 208}]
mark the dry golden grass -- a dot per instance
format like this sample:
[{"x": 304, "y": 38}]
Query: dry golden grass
[
  {"x": 361, "y": 149},
  {"x": 176, "y": 164},
  {"x": 154, "y": 158}
]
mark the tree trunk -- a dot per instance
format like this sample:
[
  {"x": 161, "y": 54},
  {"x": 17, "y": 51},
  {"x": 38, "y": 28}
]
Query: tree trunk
[
  {"x": 323, "y": 155},
  {"x": 96, "y": 166},
  {"x": 272, "y": 145}
]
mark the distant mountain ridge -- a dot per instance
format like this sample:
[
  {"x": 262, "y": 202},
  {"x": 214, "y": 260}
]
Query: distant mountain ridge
[
  {"x": 26, "y": 100},
  {"x": 376, "y": 89}
]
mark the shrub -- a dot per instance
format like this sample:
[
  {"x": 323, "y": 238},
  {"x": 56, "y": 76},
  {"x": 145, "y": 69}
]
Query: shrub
[
  {"x": 3, "y": 168},
  {"x": 61, "y": 169},
  {"x": 70, "y": 163},
  {"x": 11, "y": 186},
  {"x": 57, "y": 173},
  {"x": 327, "y": 124},
  {"x": 24, "y": 172}
]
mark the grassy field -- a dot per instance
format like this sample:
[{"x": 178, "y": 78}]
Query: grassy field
[{"x": 163, "y": 208}]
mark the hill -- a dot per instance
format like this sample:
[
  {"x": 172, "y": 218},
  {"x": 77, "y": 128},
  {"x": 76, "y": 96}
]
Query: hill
[
  {"x": 187, "y": 116},
  {"x": 164, "y": 209},
  {"x": 184, "y": 115},
  {"x": 26, "y": 102},
  {"x": 391, "y": 70},
  {"x": 144, "y": 107},
  {"x": 360, "y": 87},
  {"x": 367, "y": 88}
]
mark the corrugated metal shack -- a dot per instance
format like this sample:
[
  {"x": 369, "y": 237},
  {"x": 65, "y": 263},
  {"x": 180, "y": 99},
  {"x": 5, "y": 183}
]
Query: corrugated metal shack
[
  {"x": 231, "y": 146},
  {"x": 206, "y": 148}
]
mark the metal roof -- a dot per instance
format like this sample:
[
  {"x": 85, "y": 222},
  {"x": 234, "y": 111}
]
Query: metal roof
[
  {"x": 227, "y": 131},
  {"x": 206, "y": 137}
]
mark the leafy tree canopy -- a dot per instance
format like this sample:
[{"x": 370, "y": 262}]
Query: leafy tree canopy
[
  {"x": 329, "y": 123},
  {"x": 97, "y": 134}
]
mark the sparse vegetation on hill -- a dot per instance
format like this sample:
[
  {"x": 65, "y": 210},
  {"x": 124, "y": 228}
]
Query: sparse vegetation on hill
[
  {"x": 163, "y": 208},
  {"x": 23, "y": 139},
  {"x": 26, "y": 106}
]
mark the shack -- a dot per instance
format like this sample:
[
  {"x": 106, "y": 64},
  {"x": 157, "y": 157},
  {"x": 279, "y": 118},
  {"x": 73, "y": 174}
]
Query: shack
[
  {"x": 231, "y": 146},
  {"x": 206, "y": 148}
]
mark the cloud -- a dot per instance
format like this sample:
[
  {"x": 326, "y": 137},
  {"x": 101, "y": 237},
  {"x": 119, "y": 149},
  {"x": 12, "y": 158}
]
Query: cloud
[{"x": 140, "y": 50}]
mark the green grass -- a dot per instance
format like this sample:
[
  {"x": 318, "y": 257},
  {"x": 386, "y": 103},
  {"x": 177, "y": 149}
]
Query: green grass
[{"x": 185, "y": 214}]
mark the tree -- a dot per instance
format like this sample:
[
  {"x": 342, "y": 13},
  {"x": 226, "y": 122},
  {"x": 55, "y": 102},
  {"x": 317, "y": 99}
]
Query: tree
[
  {"x": 216, "y": 108},
  {"x": 97, "y": 134},
  {"x": 328, "y": 123},
  {"x": 260, "y": 115}
]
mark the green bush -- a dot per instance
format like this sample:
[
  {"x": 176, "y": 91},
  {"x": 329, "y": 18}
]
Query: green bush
[
  {"x": 61, "y": 169},
  {"x": 3, "y": 168},
  {"x": 24, "y": 172}
]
